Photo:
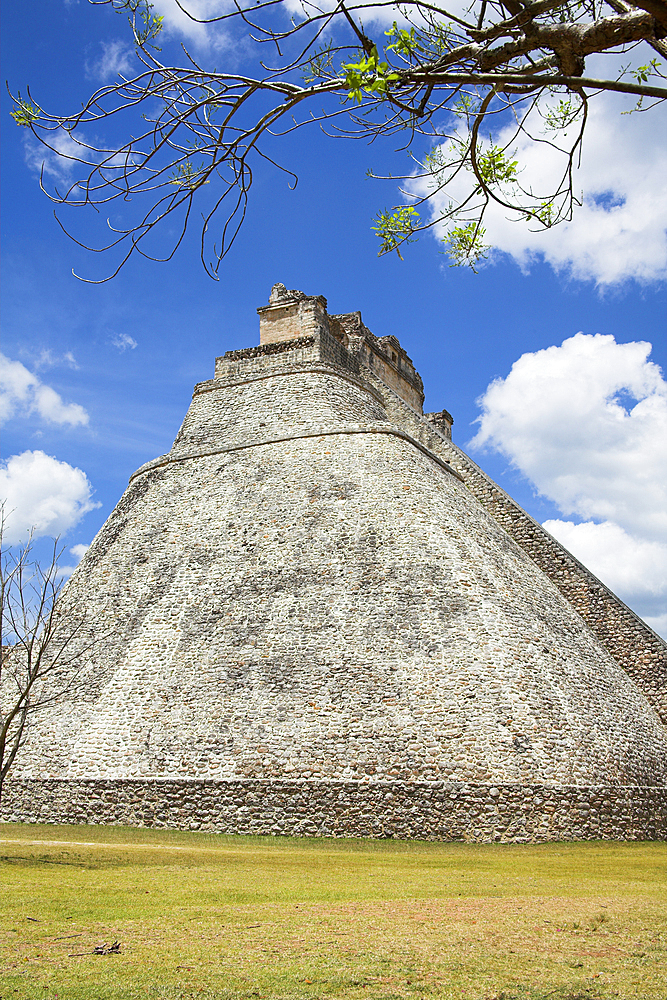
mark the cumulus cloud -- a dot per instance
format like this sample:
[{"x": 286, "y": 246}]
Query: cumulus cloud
[
  {"x": 123, "y": 341},
  {"x": 205, "y": 36},
  {"x": 42, "y": 495},
  {"x": 620, "y": 232},
  {"x": 24, "y": 393},
  {"x": 78, "y": 551},
  {"x": 586, "y": 423},
  {"x": 116, "y": 58},
  {"x": 625, "y": 562}
]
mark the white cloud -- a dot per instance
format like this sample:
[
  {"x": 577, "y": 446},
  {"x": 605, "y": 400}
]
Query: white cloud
[
  {"x": 620, "y": 232},
  {"x": 625, "y": 562},
  {"x": 65, "y": 152},
  {"x": 117, "y": 57},
  {"x": 78, "y": 551},
  {"x": 47, "y": 359},
  {"x": 123, "y": 341},
  {"x": 586, "y": 423},
  {"x": 370, "y": 15},
  {"x": 58, "y": 161},
  {"x": 42, "y": 494},
  {"x": 204, "y": 36},
  {"x": 23, "y": 392}
]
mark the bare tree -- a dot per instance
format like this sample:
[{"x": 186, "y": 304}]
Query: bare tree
[
  {"x": 44, "y": 644},
  {"x": 440, "y": 77}
]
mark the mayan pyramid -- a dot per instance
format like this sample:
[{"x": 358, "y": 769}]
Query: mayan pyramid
[{"x": 320, "y": 617}]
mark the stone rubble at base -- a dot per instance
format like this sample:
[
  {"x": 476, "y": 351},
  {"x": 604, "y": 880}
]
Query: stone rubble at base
[{"x": 327, "y": 620}]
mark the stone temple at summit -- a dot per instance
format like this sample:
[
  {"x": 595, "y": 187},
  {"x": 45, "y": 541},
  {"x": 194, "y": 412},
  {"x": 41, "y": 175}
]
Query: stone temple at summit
[{"x": 318, "y": 616}]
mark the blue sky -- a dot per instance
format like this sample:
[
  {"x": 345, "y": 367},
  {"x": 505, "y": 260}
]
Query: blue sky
[{"x": 581, "y": 452}]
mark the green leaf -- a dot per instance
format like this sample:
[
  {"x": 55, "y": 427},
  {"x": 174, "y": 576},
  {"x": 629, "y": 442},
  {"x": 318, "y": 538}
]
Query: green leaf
[
  {"x": 188, "y": 176},
  {"x": 560, "y": 117},
  {"x": 465, "y": 245},
  {"x": 642, "y": 73},
  {"x": 495, "y": 167},
  {"x": 396, "y": 227},
  {"x": 24, "y": 113},
  {"x": 368, "y": 75},
  {"x": 405, "y": 43}
]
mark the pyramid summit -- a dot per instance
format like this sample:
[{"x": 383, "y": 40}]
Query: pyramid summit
[{"x": 320, "y": 617}]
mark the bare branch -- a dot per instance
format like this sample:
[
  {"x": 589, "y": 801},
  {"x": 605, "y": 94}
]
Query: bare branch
[
  {"x": 45, "y": 644},
  {"x": 195, "y": 136}
]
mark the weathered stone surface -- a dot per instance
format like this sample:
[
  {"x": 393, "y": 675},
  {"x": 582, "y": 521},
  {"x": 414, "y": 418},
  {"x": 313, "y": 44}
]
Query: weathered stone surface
[
  {"x": 415, "y": 810},
  {"x": 641, "y": 653},
  {"x": 291, "y": 315},
  {"x": 317, "y": 626}
]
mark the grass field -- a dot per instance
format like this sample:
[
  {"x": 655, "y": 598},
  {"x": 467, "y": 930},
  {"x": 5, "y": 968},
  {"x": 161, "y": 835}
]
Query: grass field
[{"x": 202, "y": 916}]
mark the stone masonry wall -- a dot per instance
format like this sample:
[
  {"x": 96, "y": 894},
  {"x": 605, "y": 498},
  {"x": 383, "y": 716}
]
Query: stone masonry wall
[
  {"x": 300, "y": 591},
  {"x": 291, "y": 315},
  {"x": 385, "y": 357},
  {"x": 638, "y": 649},
  {"x": 635, "y": 646},
  {"x": 419, "y": 810},
  {"x": 318, "y": 630},
  {"x": 334, "y": 606}
]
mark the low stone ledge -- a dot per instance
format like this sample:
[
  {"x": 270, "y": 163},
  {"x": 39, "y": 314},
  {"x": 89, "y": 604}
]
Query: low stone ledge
[
  {"x": 408, "y": 811},
  {"x": 308, "y": 367},
  {"x": 313, "y": 432},
  {"x": 264, "y": 350}
]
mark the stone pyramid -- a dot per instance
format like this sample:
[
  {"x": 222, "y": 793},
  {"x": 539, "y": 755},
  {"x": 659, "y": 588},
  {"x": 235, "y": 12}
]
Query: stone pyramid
[{"x": 320, "y": 617}]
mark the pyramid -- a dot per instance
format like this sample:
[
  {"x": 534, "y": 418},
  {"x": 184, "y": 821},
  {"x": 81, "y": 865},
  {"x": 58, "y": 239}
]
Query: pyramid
[{"x": 317, "y": 616}]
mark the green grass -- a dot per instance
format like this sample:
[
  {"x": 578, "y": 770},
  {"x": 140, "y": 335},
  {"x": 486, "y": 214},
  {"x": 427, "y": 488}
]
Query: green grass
[{"x": 203, "y": 916}]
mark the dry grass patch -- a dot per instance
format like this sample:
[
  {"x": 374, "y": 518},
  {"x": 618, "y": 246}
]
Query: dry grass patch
[{"x": 220, "y": 918}]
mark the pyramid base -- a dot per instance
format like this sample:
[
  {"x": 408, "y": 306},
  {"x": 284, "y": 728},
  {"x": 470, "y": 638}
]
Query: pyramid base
[{"x": 406, "y": 811}]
